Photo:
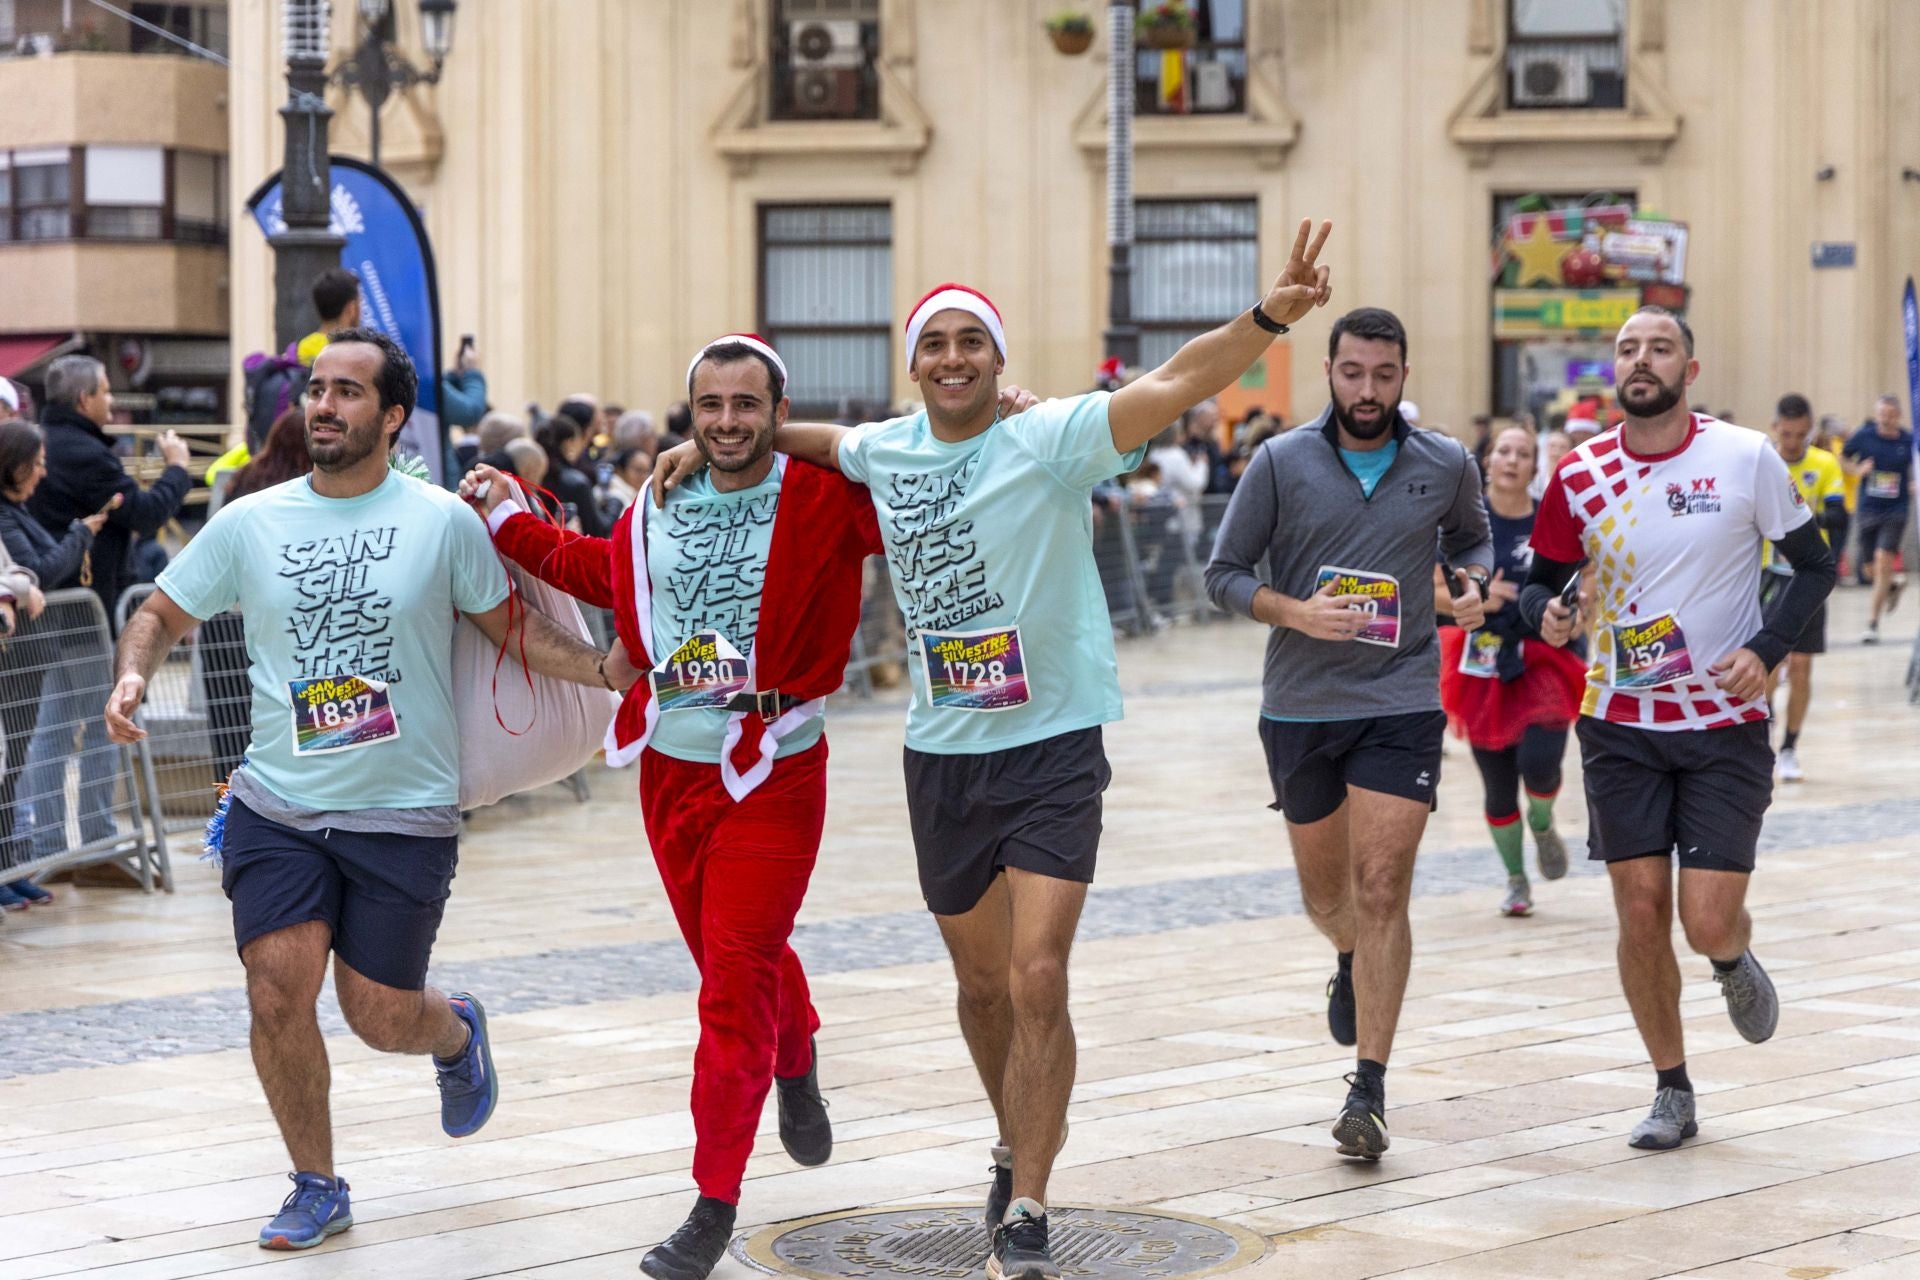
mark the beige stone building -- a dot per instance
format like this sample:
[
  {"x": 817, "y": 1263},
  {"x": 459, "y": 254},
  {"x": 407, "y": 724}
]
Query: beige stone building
[
  {"x": 611, "y": 182},
  {"x": 114, "y": 201}
]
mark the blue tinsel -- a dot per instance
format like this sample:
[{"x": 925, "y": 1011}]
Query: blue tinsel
[{"x": 216, "y": 836}]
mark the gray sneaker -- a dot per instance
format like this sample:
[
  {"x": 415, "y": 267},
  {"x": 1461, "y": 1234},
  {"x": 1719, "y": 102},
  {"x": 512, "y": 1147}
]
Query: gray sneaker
[
  {"x": 1752, "y": 1003},
  {"x": 1550, "y": 854},
  {"x": 1519, "y": 899},
  {"x": 1668, "y": 1124}
]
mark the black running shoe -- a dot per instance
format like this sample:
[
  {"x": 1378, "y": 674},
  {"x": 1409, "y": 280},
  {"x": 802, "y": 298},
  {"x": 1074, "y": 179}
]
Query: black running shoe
[
  {"x": 1020, "y": 1246},
  {"x": 805, "y": 1131},
  {"x": 1342, "y": 1022},
  {"x": 692, "y": 1251},
  {"x": 1000, "y": 1195},
  {"x": 1361, "y": 1129}
]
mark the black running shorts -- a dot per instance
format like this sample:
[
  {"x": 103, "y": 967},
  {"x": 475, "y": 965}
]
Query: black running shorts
[
  {"x": 380, "y": 894},
  {"x": 1313, "y": 762},
  {"x": 1036, "y": 807},
  {"x": 1699, "y": 791}
]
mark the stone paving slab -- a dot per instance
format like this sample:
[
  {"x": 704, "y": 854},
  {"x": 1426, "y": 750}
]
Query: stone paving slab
[{"x": 134, "y": 1143}]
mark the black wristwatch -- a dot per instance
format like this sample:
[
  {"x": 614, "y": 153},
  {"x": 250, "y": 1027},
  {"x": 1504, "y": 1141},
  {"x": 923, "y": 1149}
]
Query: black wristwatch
[
  {"x": 1266, "y": 321},
  {"x": 1479, "y": 580}
]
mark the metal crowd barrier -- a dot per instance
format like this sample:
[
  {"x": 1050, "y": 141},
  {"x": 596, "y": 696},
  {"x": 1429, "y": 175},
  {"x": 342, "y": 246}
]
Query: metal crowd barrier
[{"x": 69, "y": 797}]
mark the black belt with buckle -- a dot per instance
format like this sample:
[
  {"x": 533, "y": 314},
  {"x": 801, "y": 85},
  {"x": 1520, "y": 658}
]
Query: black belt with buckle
[{"x": 769, "y": 704}]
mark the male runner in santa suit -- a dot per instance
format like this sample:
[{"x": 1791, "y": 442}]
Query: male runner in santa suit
[{"x": 742, "y": 594}]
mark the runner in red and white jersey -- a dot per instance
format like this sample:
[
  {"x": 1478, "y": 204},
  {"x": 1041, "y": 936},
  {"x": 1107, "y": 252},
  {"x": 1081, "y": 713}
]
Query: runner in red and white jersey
[
  {"x": 1670, "y": 535},
  {"x": 1673, "y": 510}
]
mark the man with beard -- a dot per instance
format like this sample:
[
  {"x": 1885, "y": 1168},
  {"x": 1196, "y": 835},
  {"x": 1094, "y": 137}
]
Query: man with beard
[
  {"x": 743, "y": 594},
  {"x": 342, "y": 830},
  {"x": 1344, "y": 514},
  {"x": 988, "y": 527},
  {"x": 1674, "y": 509}
]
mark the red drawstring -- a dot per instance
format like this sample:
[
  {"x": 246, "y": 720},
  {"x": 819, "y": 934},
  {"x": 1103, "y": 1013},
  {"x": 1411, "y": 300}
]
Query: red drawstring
[{"x": 514, "y": 599}]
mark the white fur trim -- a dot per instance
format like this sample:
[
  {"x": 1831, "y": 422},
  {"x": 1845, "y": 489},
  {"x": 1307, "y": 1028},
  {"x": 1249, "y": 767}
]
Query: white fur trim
[{"x": 955, "y": 300}]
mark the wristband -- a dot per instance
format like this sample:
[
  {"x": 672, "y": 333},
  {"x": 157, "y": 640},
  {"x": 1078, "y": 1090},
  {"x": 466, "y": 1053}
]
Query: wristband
[
  {"x": 602, "y": 669},
  {"x": 1265, "y": 321}
]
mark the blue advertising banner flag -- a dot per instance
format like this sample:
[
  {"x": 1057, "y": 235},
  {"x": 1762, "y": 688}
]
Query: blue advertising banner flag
[
  {"x": 1910, "y": 321},
  {"x": 387, "y": 248}
]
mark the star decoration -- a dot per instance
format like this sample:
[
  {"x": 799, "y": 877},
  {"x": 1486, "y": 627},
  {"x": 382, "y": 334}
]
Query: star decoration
[{"x": 1539, "y": 256}]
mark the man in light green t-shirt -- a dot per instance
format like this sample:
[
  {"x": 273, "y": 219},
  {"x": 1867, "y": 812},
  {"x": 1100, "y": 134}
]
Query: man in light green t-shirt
[
  {"x": 989, "y": 535},
  {"x": 342, "y": 825}
]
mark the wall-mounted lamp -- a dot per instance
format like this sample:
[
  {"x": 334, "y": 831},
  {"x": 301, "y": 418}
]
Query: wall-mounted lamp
[{"x": 1824, "y": 173}]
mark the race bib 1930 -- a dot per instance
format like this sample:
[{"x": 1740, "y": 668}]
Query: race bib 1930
[
  {"x": 974, "y": 670},
  {"x": 340, "y": 713},
  {"x": 1382, "y": 604},
  {"x": 702, "y": 673},
  {"x": 1649, "y": 654}
]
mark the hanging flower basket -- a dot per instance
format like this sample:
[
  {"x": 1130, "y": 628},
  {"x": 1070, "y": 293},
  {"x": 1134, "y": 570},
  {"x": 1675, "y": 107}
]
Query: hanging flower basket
[
  {"x": 1165, "y": 35},
  {"x": 1071, "y": 33},
  {"x": 1168, "y": 25}
]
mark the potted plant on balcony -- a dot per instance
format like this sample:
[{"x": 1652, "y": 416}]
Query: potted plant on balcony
[
  {"x": 1166, "y": 25},
  {"x": 1071, "y": 33}
]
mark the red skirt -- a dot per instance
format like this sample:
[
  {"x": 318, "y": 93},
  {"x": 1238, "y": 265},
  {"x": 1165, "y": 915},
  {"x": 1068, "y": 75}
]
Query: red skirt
[{"x": 1494, "y": 714}]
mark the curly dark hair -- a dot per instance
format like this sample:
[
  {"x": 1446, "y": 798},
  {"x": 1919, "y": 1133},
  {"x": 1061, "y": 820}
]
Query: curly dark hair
[{"x": 397, "y": 383}]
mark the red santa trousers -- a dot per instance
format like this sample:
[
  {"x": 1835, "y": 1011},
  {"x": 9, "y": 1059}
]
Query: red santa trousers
[{"x": 735, "y": 873}]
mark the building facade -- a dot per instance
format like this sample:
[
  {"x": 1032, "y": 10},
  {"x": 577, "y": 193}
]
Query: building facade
[
  {"x": 114, "y": 202},
  {"x": 609, "y": 183}
]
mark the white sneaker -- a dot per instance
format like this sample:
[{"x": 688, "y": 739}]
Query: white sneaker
[
  {"x": 1870, "y": 636},
  {"x": 1790, "y": 765}
]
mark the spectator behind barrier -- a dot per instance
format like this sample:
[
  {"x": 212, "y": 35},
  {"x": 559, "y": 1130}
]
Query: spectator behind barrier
[
  {"x": 495, "y": 430},
  {"x": 84, "y": 477},
  {"x": 564, "y": 439},
  {"x": 284, "y": 457},
  {"x": 28, "y": 654}
]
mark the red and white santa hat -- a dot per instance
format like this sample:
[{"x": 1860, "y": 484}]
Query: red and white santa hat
[
  {"x": 954, "y": 297},
  {"x": 753, "y": 341}
]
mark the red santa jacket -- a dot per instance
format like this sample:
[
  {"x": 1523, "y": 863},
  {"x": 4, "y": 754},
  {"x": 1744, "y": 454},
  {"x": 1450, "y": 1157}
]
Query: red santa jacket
[{"x": 823, "y": 530}]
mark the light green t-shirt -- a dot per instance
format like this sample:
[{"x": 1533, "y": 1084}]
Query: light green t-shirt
[
  {"x": 706, "y": 562},
  {"x": 349, "y": 606},
  {"x": 990, "y": 548}
]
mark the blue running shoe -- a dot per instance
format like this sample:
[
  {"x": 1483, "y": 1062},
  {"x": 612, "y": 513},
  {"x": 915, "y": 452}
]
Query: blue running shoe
[
  {"x": 468, "y": 1089},
  {"x": 316, "y": 1208}
]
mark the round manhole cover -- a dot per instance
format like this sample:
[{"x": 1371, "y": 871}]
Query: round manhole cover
[{"x": 949, "y": 1241}]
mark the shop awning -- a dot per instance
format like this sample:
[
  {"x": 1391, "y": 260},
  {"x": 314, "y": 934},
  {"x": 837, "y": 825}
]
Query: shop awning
[{"x": 19, "y": 352}]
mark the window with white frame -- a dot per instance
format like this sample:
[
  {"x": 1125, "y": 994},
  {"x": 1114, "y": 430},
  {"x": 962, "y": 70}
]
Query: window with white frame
[{"x": 126, "y": 192}]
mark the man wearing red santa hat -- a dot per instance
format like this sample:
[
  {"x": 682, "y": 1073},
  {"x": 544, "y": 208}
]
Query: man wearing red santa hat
[
  {"x": 988, "y": 531},
  {"x": 743, "y": 593}
]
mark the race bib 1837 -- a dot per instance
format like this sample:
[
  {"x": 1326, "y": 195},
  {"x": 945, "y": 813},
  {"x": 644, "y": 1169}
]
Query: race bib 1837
[
  {"x": 340, "y": 713},
  {"x": 1649, "y": 654},
  {"x": 704, "y": 672},
  {"x": 975, "y": 670},
  {"x": 1382, "y": 604}
]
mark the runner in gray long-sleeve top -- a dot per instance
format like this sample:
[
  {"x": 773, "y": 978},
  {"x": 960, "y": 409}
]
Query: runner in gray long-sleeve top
[{"x": 1344, "y": 513}]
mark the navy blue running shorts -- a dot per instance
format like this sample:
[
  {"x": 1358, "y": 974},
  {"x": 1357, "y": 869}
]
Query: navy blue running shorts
[{"x": 381, "y": 894}]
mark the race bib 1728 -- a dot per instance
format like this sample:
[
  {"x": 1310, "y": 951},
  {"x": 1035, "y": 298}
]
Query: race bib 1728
[
  {"x": 340, "y": 713},
  {"x": 975, "y": 670},
  {"x": 1382, "y": 603},
  {"x": 1649, "y": 654}
]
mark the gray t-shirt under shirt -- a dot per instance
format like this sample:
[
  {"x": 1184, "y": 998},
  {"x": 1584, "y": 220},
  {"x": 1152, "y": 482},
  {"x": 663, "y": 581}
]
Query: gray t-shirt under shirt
[{"x": 437, "y": 821}]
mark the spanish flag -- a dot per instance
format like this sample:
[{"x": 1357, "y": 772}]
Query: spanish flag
[{"x": 1173, "y": 81}]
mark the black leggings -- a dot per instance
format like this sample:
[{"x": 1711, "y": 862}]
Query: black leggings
[{"x": 1536, "y": 757}]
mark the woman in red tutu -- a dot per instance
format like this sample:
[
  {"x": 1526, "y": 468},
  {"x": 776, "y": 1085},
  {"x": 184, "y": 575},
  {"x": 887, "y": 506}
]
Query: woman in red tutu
[{"x": 1513, "y": 699}]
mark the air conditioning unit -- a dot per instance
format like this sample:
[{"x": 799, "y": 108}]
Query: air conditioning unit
[
  {"x": 1550, "y": 80},
  {"x": 820, "y": 45},
  {"x": 831, "y": 93},
  {"x": 35, "y": 44},
  {"x": 819, "y": 10}
]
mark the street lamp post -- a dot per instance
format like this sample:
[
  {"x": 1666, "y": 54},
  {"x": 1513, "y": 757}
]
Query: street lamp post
[
  {"x": 306, "y": 246},
  {"x": 377, "y": 66},
  {"x": 1122, "y": 337}
]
